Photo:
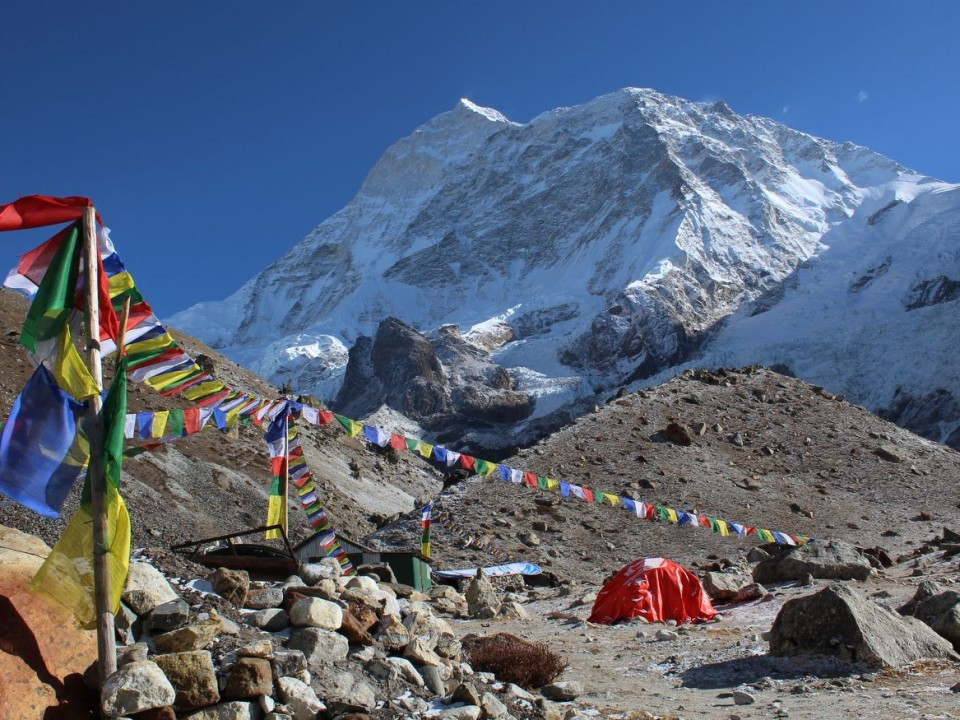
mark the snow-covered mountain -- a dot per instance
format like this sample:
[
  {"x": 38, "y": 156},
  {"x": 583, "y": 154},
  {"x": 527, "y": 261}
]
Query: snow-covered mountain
[{"x": 612, "y": 241}]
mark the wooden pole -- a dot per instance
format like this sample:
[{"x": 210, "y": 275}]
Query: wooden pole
[
  {"x": 285, "y": 480},
  {"x": 106, "y": 639}
]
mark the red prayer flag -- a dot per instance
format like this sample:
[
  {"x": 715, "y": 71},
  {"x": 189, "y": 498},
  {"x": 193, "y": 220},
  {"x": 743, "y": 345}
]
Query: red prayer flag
[
  {"x": 398, "y": 442},
  {"x": 35, "y": 211},
  {"x": 191, "y": 420},
  {"x": 530, "y": 479},
  {"x": 468, "y": 462},
  {"x": 325, "y": 416},
  {"x": 588, "y": 494}
]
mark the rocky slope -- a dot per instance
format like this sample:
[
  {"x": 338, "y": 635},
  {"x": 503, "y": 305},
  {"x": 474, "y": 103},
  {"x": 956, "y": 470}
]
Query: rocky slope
[
  {"x": 215, "y": 482},
  {"x": 610, "y": 242}
]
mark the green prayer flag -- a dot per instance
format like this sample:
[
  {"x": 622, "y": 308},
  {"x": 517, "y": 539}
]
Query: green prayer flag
[{"x": 54, "y": 300}]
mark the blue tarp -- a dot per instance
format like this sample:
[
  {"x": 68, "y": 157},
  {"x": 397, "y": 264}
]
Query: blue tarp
[{"x": 518, "y": 568}]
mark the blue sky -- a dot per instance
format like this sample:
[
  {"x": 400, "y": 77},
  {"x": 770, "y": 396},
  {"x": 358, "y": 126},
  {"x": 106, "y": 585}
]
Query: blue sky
[{"x": 214, "y": 135}]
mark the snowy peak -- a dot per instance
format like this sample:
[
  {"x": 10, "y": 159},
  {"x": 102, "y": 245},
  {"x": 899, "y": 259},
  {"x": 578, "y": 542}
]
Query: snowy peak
[{"x": 604, "y": 243}]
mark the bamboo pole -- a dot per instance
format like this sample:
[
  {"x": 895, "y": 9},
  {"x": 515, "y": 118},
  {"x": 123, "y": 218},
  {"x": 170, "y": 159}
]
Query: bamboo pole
[{"x": 106, "y": 639}]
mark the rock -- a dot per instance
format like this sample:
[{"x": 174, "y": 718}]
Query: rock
[
  {"x": 314, "y": 612},
  {"x": 392, "y": 633},
  {"x": 127, "y": 625},
  {"x": 562, "y": 691},
  {"x": 288, "y": 663},
  {"x": 463, "y": 712},
  {"x": 554, "y": 711},
  {"x": 131, "y": 653},
  {"x": 492, "y": 707},
  {"x": 193, "y": 678},
  {"x": 941, "y": 612},
  {"x": 146, "y": 588},
  {"x": 465, "y": 693},
  {"x": 344, "y": 691},
  {"x": 757, "y": 554},
  {"x": 231, "y": 585},
  {"x": 192, "y": 637},
  {"x": 678, "y": 434},
  {"x": 528, "y": 537},
  {"x": 256, "y": 649},
  {"x": 353, "y": 630},
  {"x": 839, "y": 621},
  {"x": 395, "y": 667},
  {"x": 448, "y": 647},
  {"x": 381, "y": 571},
  {"x": 136, "y": 687},
  {"x": 482, "y": 600},
  {"x": 825, "y": 559},
  {"x": 325, "y": 569},
  {"x": 319, "y": 645},
  {"x": 267, "y": 703},
  {"x": 419, "y": 651},
  {"x": 889, "y": 453},
  {"x": 723, "y": 586},
  {"x": 249, "y": 678},
  {"x": 518, "y": 693},
  {"x": 753, "y": 591},
  {"x": 263, "y": 598},
  {"x": 234, "y": 710},
  {"x": 271, "y": 619},
  {"x": 168, "y": 616},
  {"x": 433, "y": 679},
  {"x": 301, "y": 698},
  {"x": 514, "y": 611},
  {"x": 737, "y": 439},
  {"x": 743, "y": 698},
  {"x": 666, "y": 635}
]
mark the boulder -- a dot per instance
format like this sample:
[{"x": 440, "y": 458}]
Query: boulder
[
  {"x": 325, "y": 569},
  {"x": 825, "y": 559},
  {"x": 925, "y": 590},
  {"x": 192, "y": 637},
  {"x": 193, "y": 678},
  {"x": 288, "y": 663},
  {"x": 942, "y": 613},
  {"x": 462, "y": 712},
  {"x": 314, "y": 612},
  {"x": 482, "y": 600},
  {"x": 492, "y": 707},
  {"x": 839, "y": 621},
  {"x": 514, "y": 611},
  {"x": 433, "y": 679},
  {"x": 300, "y": 697},
  {"x": 146, "y": 588},
  {"x": 723, "y": 587},
  {"x": 136, "y": 687},
  {"x": 231, "y": 585},
  {"x": 318, "y": 645},
  {"x": 256, "y": 649},
  {"x": 392, "y": 633},
  {"x": 419, "y": 651},
  {"x": 395, "y": 667},
  {"x": 131, "y": 653},
  {"x": 249, "y": 678},
  {"x": 168, "y": 616},
  {"x": 270, "y": 619},
  {"x": 562, "y": 691},
  {"x": 263, "y": 598},
  {"x": 353, "y": 630},
  {"x": 343, "y": 691}
]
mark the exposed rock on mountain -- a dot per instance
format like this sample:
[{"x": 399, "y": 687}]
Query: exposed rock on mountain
[{"x": 440, "y": 381}]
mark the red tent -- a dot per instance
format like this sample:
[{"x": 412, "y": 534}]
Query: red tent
[{"x": 655, "y": 589}]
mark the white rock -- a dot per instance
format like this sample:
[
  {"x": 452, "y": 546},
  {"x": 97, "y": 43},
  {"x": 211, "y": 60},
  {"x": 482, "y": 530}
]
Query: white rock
[
  {"x": 136, "y": 687},
  {"x": 146, "y": 588},
  {"x": 318, "y": 613},
  {"x": 300, "y": 697},
  {"x": 365, "y": 583}
]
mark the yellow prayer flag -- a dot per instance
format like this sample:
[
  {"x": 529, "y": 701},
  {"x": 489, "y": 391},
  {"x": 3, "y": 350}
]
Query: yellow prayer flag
[
  {"x": 553, "y": 485},
  {"x": 612, "y": 499},
  {"x": 159, "y": 423},
  {"x": 425, "y": 450},
  {"x": 672, "y": 515},
  {"x": 64, "y": 362}
]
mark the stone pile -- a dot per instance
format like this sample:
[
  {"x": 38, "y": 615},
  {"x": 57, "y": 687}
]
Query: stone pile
[{"x": 318, "y": 645}]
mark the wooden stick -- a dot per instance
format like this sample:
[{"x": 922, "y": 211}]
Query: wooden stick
[
  {"x": 121, "y": 339},
  {"x": 106, "y": 640}
]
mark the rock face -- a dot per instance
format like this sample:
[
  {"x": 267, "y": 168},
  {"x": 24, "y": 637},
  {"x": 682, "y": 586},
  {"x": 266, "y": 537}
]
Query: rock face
[
  {"x": 839, "y": 621},
  {"x": 725, "y": 228},
  {"x": 825, "y": 559},
  {"x": 34, "y": 635},
  {"x": 436, "y": 380}
]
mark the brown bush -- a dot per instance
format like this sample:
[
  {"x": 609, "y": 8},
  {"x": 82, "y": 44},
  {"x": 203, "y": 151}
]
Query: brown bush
[{"x": 512, "y": 659}]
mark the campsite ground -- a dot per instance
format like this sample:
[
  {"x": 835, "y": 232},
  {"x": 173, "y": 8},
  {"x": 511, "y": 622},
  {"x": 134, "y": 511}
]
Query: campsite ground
[{"x": 626, "y": 671}]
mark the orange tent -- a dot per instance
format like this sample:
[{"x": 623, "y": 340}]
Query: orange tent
[{"x": 655, "y": 589}]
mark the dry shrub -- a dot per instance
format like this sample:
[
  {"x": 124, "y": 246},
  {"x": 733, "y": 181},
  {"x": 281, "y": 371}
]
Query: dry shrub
[{"x": 512, "y": 659}]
